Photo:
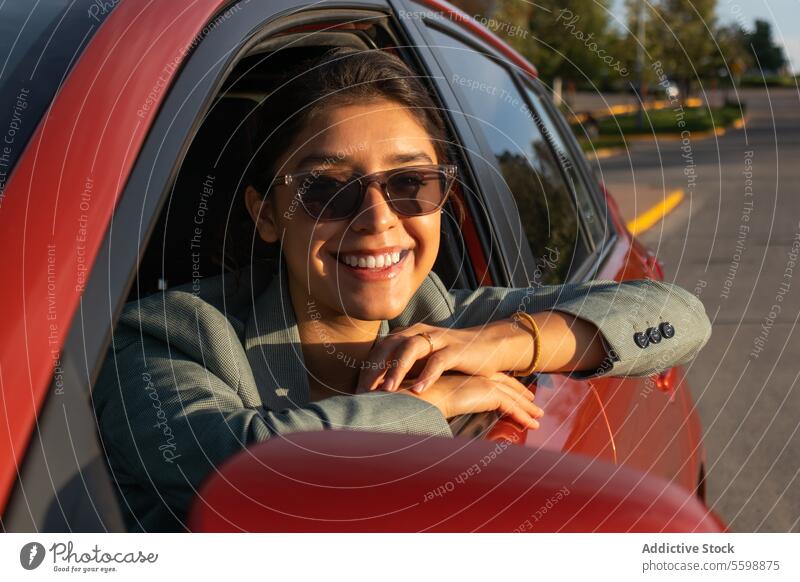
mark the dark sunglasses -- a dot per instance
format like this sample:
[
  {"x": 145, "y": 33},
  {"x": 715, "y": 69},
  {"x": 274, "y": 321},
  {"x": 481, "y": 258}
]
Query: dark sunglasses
[{"x": 336, "y": 195}]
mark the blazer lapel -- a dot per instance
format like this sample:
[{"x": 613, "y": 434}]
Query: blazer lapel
[{"x": 272, "y": 345}]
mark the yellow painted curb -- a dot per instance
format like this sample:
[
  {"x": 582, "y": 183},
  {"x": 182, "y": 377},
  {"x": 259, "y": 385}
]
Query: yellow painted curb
[
  {"x": 654, "y": 215},
  {"x": 603, "y": 153},
  {"x": 625, "y": 108}
]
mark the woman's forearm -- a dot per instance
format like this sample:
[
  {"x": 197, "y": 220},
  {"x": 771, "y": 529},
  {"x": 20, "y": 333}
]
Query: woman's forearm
[{"x": 566, "y": 343}]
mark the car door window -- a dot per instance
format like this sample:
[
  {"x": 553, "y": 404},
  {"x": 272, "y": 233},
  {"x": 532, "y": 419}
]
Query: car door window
[
  {"x": 519, "y": 140},
  {"x": 594, "y": 221}
]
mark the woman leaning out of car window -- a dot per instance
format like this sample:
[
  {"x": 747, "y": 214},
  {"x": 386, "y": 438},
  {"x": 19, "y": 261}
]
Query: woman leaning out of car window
[{"x": 351, "y": 329}]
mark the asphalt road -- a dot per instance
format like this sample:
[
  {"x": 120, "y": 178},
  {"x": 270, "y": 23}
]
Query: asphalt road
[{"x": 735, "y": 242}]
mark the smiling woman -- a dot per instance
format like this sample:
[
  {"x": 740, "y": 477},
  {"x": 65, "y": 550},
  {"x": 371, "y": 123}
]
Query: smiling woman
[{"x": 352, "y": 329}]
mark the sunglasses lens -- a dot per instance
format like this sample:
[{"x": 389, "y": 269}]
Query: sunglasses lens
[
  {"x": 411, "y": 192},
  {"x": 328, "y": 197},
  {"x": 417, "y": 192}
]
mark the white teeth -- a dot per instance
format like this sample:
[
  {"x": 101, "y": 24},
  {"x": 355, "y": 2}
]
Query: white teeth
[{"x": 372, "y": 261}]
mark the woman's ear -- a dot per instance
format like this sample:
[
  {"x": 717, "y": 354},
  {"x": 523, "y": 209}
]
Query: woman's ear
[{"x": 261, "y": 211}]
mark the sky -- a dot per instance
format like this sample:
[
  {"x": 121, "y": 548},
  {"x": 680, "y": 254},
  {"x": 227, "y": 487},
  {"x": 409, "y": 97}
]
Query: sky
[{"x": 784, "y": 15}]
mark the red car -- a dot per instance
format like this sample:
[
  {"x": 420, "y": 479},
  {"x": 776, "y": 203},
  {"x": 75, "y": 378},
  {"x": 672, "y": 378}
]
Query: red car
[{"x": 113, "y": 116}]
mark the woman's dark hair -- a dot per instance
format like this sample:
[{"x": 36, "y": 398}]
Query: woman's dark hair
[{"x": 341, "y": 76}]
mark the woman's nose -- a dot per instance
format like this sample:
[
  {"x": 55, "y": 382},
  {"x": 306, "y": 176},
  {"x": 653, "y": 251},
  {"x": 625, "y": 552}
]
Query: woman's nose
[{"x": 375, "y": 214}]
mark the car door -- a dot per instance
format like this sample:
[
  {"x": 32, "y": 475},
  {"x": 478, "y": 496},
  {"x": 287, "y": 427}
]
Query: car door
[
  {"x": 553, "y": 226},
  {"x": 104, "y": 157}
]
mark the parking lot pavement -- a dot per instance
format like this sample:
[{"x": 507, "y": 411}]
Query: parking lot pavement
[
  {"x": 645, "y": 204},
  {"x": 735, "y": 242}
]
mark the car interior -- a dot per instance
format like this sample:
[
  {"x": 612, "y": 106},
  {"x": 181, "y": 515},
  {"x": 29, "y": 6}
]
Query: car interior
[{"x": 209, "y": 185}]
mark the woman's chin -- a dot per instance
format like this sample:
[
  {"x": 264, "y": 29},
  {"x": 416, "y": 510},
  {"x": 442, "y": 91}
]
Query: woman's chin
[{"x": 372, "y": 309}]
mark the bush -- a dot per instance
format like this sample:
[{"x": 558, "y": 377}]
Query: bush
[
  {"x": 664, "y": 121},
  {"x": 768, "y": 81}
]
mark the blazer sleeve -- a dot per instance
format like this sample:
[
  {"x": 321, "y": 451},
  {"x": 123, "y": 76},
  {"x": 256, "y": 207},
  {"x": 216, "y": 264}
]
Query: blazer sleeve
[
  {"x": 167, "y": 421},
  {"x": 618, "y": 310}
]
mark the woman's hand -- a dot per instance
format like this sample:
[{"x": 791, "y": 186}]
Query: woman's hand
[
  {"x": 566, "y": 343},
  {"x": 455, "y": 394},
  {"x": 484, "y": 350}
]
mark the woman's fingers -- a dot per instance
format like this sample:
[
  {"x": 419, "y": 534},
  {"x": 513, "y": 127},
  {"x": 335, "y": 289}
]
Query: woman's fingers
[
  {"x": 462, "y": 394},
  {"x": 517, "y": 407},
  {"x": 436, "y": 365},
  {"x": 522, "y": 400},
  {"x": 405, "y": 356},
  {"x": 382, "y": 358},
  {"x": 509, "y": 408},
  {"x": 526, "y": 405},
  {"x": 513, "y": 383},
  {"x": 379, "y": 360}
]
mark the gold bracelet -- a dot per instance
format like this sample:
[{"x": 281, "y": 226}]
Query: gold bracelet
[{"x": 534, "y": 331}]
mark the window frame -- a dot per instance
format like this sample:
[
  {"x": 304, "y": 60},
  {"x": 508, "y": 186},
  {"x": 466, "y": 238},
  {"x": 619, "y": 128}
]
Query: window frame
[{"x": 502, "y": 238}]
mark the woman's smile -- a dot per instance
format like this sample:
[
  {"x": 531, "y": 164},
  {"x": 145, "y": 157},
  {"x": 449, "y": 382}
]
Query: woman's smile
[{"x": 374, "y": 265}]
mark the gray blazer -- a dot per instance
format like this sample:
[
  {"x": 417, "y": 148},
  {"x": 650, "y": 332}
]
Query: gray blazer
[{"x": 197, "y": 373}]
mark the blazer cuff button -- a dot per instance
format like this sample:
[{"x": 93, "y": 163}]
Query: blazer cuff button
[
  {"x": 641, "y": 339},
  {"x": 667, "y": 330},
  {"x": 654, "y": 335}
]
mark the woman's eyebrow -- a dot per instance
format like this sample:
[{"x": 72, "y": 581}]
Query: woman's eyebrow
[
  {"x": 409, "y": 157},
  {"x": 332, "y": 159},
  {"x": 324, "y": 159}
]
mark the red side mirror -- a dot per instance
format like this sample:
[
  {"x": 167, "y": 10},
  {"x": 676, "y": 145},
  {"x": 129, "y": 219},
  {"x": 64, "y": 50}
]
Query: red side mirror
[{"x": 343, "y": 481}]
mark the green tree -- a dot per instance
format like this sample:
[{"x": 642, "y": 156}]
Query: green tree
[
  {"x": 733, "y": 56},
  {"x": 685, "y": 46},
  {"x": 637, "y": 43},
  {"x": 767, "y": 55},
  {"x": 569, "y": 39}
]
